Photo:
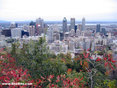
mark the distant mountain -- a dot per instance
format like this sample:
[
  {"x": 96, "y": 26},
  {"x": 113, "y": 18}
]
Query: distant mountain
[
  {"x": 2, "y": 21},
  {"x": 59, "y": 22}
]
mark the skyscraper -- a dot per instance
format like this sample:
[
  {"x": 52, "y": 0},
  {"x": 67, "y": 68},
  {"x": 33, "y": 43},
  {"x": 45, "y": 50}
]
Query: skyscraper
[
  {"x": 98, "y": 28},
  {"x": 83, "y": 24},
  {"x": 72, "y": 23},
  {"x": 65, "y": 25},
  {"x": 39, "y": 26},
  {"x": 32, "y": 28},
  {"x": 103, "y": 31},
  {"x": 50, "y": 35}
]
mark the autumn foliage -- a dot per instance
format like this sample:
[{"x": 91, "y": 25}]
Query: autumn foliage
[
  {"x": 88, "y": 67},
  {"x": 11, "y": 73}
]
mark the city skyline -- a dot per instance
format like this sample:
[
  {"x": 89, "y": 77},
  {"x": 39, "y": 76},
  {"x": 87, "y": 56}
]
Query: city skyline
[{"x": 92, "y": 10}]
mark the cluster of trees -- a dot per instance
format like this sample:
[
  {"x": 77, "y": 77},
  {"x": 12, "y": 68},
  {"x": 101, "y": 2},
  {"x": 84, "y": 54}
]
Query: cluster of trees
[{"x": 60, "y": 71}]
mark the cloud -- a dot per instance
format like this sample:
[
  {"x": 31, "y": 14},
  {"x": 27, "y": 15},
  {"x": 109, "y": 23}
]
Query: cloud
[{"x": 57, "y": 9}]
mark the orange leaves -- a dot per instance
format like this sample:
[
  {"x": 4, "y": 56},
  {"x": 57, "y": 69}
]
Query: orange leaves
[
  {"x": 86, "y": 64},
  {"x": 107, "y": 72},
  {"x": 76, "y": 59},
  {"x": 81, "y": 62},
  {"x": 0, "y": 62},
  {"x": 69, "y": 70}
]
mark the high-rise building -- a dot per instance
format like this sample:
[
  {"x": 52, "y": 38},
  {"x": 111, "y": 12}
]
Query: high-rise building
[
  {"x": 103, "y": 31},
  {"x": 98, "y": 28},
  {"x": 72, "y": 25},
  {"x": 50, "y": 35},
  {"x": 83, "y": 24},
  {"x": 39, "y": 26},
  {"x": 65, "y": 25},
  {"x": 32, "y": 28}
]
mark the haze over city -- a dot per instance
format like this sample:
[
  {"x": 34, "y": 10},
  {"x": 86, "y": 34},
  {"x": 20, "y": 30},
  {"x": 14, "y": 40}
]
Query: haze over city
[{"x": 55, "y": 10}]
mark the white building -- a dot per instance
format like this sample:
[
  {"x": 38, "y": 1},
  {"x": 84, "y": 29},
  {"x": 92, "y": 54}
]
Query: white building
[
  {"x": 58, "y": 47},
  {"x": 16, "y": 32}
]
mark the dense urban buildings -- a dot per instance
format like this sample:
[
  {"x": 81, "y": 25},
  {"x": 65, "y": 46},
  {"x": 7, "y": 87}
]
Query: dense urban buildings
[
  {"x": 64, "y": 37},
  {"x": 59, "y": 43}
]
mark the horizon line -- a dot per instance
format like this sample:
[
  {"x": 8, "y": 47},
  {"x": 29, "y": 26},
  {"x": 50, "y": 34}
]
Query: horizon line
[{"x": 57, "y": 21}]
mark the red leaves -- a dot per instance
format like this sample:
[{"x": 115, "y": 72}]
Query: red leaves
[
  {"x": 109, "y": 62},
  {"x": 88, "y": 49},
  {"x": 105, "y": 58},
  {"x": 98, "y": 59},
  {"x": 111, "y": 66},
  {"x": 86, "y": 55},
  {"x": 42, "y": 78},
  {"x": 109, "y": 59},
  {"x": 52, "y": 85},
  {"x": 9, "y": 72},
  {"x": 38, "y": 82},
  {"x": 109, "y": 55},
  {"x": 91, "y": 58},
  {"x": 113, "y": 61},
  {"x": 67, "y": 82},
  {"x": 81, "y": 79},
  {"x": 51, "y": 76},
  {"x": 23, "y": 74},
  {"x": 105, "y": 64},
  {"x": 58, "y": 79}
]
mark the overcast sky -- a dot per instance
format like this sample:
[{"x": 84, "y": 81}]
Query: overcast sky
[{"x": 92, "y": 10}]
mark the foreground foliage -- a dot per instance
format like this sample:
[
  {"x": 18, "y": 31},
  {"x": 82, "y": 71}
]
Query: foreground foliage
[{"x": 34, "y": 63}]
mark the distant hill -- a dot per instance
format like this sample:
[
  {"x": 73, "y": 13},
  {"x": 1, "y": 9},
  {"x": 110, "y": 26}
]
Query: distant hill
[
  {"x": 59, "y": 22},
  {"x": 2, "y": 21}
]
